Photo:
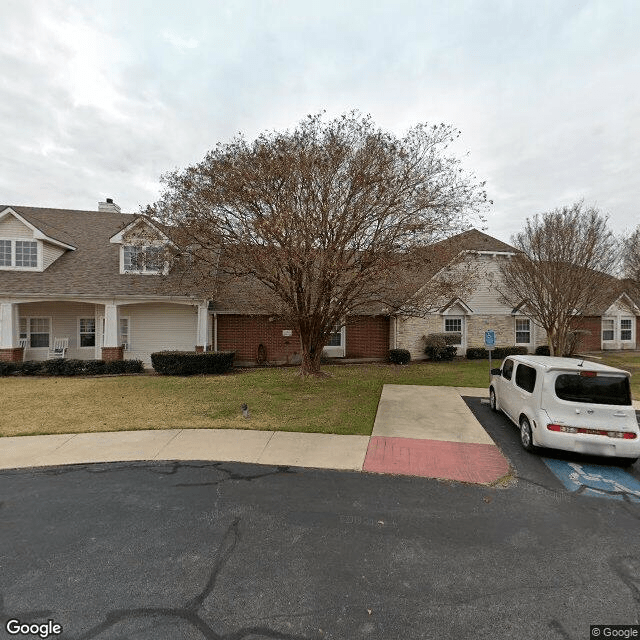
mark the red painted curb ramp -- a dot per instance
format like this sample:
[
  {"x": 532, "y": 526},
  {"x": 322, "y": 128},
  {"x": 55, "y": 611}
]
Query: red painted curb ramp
[{"x": 462, "y": 461}]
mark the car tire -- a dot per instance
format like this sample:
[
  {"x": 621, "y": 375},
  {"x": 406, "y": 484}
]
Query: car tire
[
  {"x": 492, "y": 400},
  {"x": 626, "y": 462},
  {"x": 526, "y": 437}
]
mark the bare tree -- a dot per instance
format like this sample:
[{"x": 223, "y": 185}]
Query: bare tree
[
  {"x": 322, "y": 223},
  {"x": 631, "y": 261},
  {"x": 564, "y": 268}
]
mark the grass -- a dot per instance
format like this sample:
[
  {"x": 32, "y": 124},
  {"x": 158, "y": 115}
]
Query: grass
[{"x": 278, "y": 398}]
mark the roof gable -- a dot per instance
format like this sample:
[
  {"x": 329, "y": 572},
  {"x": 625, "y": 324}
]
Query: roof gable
[{"x": 37, "y": 232}]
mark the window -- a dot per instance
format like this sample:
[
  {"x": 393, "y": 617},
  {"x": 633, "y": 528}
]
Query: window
[
  {"x": 598, "y": 389},
  {"x": 124, "y": 332},
  {"x": 5, "y": 253},
  {"x": 507, "y": 369},
  {"x": 453, "y": 324},
  {"x": 526, "y": 377},
  {"x": 26, "y": 253},
  {"x": 626, "y": 332},
  {"x": 39, "y": 329},
  {"x": 143, "y": 259},
  {"x": 19, "y": 253},
  {"x": 608, "y": 328},
  {"x": 336, "y": 337},
  {"x": 87, "y": 332},
  {"x": 523, "y": 331}
]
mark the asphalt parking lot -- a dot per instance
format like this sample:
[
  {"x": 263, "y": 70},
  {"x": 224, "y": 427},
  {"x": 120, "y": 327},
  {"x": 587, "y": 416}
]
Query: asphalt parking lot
[{"x": 546, "y": 467}]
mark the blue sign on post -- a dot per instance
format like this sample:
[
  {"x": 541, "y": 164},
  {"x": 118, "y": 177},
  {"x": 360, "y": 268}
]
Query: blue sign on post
[{"x": 490, "y": 338}]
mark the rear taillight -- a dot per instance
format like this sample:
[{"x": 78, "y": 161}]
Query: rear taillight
[{"x": 627, "y": 435}]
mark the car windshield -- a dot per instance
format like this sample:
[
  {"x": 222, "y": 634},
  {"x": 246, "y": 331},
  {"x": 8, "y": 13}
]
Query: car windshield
[{"x": 600, "y": 389}]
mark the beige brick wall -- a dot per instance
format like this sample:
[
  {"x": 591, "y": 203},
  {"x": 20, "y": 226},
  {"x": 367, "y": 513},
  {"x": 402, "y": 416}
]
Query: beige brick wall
[{"x": 411, "y": 332}]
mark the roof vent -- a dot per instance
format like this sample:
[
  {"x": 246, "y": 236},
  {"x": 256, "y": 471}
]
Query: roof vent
[{"x": 109, "y": 206}]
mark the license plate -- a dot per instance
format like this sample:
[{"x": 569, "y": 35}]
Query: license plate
[{"x": 595, "y": 449}]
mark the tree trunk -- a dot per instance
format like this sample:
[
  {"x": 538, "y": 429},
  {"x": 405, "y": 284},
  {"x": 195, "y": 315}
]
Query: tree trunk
[{"x": 311, "y": 354}]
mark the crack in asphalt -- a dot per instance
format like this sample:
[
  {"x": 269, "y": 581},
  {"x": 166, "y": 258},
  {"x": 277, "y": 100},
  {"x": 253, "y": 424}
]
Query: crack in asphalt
[
  {"x": 232, "y": 475},
  {"x": 189, "y": 612}
]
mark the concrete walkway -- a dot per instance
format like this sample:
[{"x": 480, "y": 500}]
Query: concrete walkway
[{"x": 418, "y": 430}]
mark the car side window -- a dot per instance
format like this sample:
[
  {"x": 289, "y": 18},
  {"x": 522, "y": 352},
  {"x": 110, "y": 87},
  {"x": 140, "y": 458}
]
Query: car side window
[
  {"x": 526, "y": 377},
  {"x": 507, "y": 369}
]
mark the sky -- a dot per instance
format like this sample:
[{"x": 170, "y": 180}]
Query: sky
[{"x": 99, "y": 98}]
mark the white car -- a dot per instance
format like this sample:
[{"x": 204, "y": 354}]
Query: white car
[{"x": 568, "y": 404}]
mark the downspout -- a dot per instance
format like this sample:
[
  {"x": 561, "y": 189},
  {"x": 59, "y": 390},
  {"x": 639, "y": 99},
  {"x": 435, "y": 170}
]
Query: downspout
[{"x": 215, "y": 331}]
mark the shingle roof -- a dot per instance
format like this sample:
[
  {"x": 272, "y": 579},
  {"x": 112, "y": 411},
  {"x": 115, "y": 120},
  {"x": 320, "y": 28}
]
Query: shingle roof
[{"x": 93, "y": 268}]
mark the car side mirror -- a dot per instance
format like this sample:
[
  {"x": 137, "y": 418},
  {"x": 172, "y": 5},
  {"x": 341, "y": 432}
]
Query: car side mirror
[{"x": 496, "y": 372}]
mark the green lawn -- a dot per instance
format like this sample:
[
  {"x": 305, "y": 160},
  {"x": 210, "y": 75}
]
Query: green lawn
[{"x": 278, "y": 398}]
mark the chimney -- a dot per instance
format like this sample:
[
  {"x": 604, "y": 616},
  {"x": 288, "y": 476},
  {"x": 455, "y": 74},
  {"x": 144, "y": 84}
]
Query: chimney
[{"x": 108, "y": 207}]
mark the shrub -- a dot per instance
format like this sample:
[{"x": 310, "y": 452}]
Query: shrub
[
  {"x": 477, "y": 353},
  {"x": 574, "y": 340},
  {"x": 503, "y": 352},
  {"x": 543, "y": 350},
  {"x": 30, "y": 368},
  {"x": 124, "y": 366},
  {"x": 188, "y": 363},
  {"x": 498, "y": 353},
  {"x": 8, "y": 368},
  {"x": 399, "y": 356},
  {"x": 438, "y": 346},
  {"x": 94, "y": 367}
]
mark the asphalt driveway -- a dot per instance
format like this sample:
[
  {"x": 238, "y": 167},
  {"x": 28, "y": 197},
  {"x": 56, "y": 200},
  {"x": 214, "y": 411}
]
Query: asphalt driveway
[{"x": 187, "y": 550}]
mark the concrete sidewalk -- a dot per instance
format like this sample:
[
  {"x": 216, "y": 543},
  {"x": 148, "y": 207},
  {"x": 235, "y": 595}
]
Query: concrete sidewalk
[{"x": 418, "y": 430}]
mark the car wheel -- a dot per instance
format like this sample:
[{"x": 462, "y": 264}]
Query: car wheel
[
  {"x": 492, "y": 400},
  {"x": 526, "y": 437}
]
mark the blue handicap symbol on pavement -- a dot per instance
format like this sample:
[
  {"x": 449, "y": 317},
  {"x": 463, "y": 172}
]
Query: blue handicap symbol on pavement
[{"x": 595, "y": 480}]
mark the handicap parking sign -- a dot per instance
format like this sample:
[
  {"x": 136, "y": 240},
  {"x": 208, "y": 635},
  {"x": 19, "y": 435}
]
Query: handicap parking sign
[{"x": 490, "y": 338}]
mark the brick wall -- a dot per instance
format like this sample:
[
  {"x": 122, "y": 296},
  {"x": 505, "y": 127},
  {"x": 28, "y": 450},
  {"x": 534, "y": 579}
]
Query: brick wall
[
  {"x": 367, "y": 337},
  {"x": 244, "y": 334},
  {"x": 112, "y": 353},
  {"x": 589, "y": 342},
  {"x": 11, "y": 355}
]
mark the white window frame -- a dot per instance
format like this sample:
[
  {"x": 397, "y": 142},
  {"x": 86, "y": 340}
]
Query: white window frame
[
  {"x": 613, "y": 329},
  {"x": 81, "y": 333},
  {"x": 143, "y": 271},
  {"x": 337, "y": 351},
  {"x": 126, "y": 344},
  {"x": 27, "y": 335},
  {"x": 461, "y": 332},
  {"x": 632, "y": 321},
  {"x": 14, "y": 243},
  {"x": 516, "y": 331}
]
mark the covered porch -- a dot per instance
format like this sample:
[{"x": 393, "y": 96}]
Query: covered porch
[{"x": 101, "y": 329}]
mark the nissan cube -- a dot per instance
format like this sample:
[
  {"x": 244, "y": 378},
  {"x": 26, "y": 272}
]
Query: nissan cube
[{"x": 568, "y": 404}]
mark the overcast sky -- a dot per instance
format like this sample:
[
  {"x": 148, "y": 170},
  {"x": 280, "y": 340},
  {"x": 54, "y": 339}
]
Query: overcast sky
[{"x": 98, "y": 98}]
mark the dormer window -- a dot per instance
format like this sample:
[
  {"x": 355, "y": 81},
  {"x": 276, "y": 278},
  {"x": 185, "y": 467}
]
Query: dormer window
[
  {"x": 19, "y": 254},
  {"x": 137, "y": 259}
]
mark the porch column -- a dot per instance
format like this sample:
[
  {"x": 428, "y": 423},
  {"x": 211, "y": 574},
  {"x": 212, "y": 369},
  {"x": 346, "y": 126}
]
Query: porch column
[
  {"x": 202, "y": 331},
  {"x": 10, "y": 349},
  {"x": 112, "y": 349}
]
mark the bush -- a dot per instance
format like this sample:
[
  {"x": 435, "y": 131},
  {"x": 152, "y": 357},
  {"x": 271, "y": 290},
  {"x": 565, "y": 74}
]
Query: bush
[
  {"x": 438, "y": 346},
  {"x": 30, "y": 368},
  {"x": 477, "y": 353},
  {"x": 399, "y": 356},
  {"x": 574, "y": 340},
  {"x": 498, "y": 353},
  {"x": 188, "y": 363},
  {"x": 124, "y": 366},
  {"x": 95, "y": 367},
  {"x": 8, "y": 368},
  {"x": 543, "y": 350},
  {"x": 503, "y": 352}
]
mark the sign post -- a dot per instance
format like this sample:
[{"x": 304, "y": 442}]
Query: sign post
[{"x": 490, "y": 343}]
